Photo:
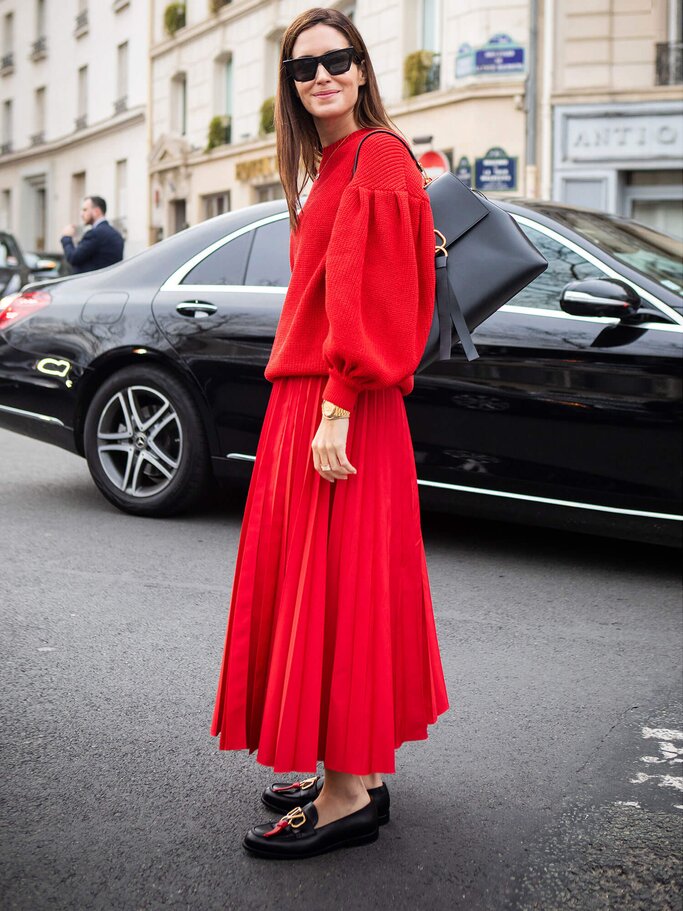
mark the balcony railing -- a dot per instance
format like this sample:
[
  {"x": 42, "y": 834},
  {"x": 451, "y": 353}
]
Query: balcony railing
[
  {"x": 81, "y": 122},
  {"x": 121, "y": 104},
  {"x": 39, "y": 48},
  {"x": 81, "y": 24},
  {"x": 433, "y": 80},
  {"x": 669, "y": 63},
  {"x": 38, "y": 138},
  {"x": 6, "y": 64},
  {"x": 5, "y": 148}
]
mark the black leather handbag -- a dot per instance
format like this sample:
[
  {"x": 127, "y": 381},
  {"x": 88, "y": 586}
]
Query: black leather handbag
[{"x": 482, "y": 258}]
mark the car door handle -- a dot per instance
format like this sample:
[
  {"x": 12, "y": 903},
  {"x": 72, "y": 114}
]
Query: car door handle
[{"x": 196, "y": 309}]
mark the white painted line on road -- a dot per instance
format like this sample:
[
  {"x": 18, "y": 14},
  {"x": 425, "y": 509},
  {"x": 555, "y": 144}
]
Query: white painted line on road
[
  {"x": 666, "y": 781},
  {"x": 663, "y": 733},
  {"x": 670, "y": 754}
]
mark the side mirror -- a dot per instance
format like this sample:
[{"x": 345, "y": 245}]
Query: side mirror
[{"x": 600, "y": 297}]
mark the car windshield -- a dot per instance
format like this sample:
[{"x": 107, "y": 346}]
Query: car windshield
[{"x": 657, "y": 255}]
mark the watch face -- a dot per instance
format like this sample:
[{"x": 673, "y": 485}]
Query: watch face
[{"x": 328, "y": 408}]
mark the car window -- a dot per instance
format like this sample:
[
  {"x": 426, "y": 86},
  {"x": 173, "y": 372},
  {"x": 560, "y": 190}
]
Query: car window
[
  {"x": 225, "y": 266},
  {"x": 657, "y": 255},
  {"x": 564, "y": 265},
  {"x": 269, "y": 258}
]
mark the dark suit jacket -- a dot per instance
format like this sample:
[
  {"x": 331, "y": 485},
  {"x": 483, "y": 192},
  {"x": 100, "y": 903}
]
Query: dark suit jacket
[{"x": 99, "y": 247}]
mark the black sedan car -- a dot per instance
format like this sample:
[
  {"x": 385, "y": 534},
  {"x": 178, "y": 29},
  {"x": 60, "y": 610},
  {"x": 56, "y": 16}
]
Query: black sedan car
[{"x": 152, "y": 369}]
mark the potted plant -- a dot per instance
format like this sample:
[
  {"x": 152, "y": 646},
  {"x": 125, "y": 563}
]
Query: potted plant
[
  {"x": 419, "y": 72},
  {"x": 219, "y": 131},
  {"x": 267, "y": 124},
  {"x": 174, "y": 17}
]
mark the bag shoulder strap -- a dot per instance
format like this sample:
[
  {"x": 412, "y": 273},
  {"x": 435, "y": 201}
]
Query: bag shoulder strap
[{"x": 400, "y": 139}]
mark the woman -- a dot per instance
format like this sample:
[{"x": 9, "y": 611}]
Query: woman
[{"x": 331, "y": 652}]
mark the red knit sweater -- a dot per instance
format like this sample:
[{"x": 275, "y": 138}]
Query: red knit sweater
[{"x": 360, "y": 299}]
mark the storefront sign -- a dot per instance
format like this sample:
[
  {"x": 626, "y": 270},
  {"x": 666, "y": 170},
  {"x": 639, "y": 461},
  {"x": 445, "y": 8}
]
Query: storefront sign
[
  {"x": 496, "y": 171},
  {"x": 464, "y": 171},
  {"x": 624, "y": 137},
  {"x": 259, "y": 167},
  {"x": 499, "y": 55}
]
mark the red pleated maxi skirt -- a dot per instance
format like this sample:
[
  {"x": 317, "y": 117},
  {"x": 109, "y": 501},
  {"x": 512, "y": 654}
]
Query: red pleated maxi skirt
[{"x": 331, "y": 650}]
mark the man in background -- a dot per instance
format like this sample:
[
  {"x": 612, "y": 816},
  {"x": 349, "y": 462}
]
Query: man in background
[{"x": 101, "y": 246}]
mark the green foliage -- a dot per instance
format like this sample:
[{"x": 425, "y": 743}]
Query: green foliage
[
  {"x": 418, "y": 72},
  {"x": 268, "y": 116},
  {"x": 219, "y": 132},
  {"x": 174, "y": 17},
  {"x": 217, "y": 5}
]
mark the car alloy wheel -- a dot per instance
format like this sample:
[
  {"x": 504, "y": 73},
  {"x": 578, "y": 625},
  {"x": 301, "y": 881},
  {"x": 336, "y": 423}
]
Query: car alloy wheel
[
  {"x": 145, "y": 442},
  {"x": 139, "y": 441}
]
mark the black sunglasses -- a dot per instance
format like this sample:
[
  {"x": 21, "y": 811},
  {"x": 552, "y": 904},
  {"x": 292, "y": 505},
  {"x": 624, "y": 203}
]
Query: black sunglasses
[{"x": 336, "y": 62}]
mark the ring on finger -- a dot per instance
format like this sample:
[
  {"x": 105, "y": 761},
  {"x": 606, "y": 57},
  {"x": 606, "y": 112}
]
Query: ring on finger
[{"x": 325, "y": 468}]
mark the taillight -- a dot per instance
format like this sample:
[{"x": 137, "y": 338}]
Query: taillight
[{"x": 16, "y": 306}]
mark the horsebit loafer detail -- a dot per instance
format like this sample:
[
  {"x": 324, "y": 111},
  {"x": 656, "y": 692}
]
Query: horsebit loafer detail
[
  {"x": 295, "y": 835},
  {"x": 284, "y": 797}
]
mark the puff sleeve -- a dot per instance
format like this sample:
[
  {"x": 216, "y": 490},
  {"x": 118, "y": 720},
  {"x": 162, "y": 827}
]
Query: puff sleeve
[{"x": 379, "y": 274}]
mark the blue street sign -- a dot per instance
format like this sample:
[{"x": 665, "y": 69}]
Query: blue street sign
[
  {"x": 500, "y": 55},
  {"x": 495, "y": 171}
]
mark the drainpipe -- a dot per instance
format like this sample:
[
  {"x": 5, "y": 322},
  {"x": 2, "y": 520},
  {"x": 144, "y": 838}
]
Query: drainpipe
[
  {"x": 531, "y": 93},
  {"x": 149, "y": 118},
  {"x": 546, "y": 109}
]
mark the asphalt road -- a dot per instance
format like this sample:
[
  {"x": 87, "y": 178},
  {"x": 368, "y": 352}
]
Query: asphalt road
[{"x": 553, "y": 782}]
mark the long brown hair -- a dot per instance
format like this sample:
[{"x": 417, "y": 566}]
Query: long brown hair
[{"x": 297, "y": 139}]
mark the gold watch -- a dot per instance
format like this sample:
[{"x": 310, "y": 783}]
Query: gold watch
[{"x": 333, "y": 411}]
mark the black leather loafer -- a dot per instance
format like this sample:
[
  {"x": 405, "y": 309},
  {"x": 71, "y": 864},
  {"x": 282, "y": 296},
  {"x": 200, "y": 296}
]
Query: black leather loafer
[
  {"x": 284, "y": 797},
  {"x": 295, "y": 836}
]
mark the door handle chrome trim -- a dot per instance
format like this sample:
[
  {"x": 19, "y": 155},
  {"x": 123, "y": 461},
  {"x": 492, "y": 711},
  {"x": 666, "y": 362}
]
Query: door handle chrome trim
[{"x": 196, "y": 309}]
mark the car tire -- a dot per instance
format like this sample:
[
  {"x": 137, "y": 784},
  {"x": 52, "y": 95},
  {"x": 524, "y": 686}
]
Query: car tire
[{"x": 145, "y": 444}]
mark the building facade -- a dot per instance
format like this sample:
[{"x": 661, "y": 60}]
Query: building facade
[
  {"x": 73, "y": 92},
  {"x": 576, "y": 100},
  {"x": 617, "y": 110},
  {"x": 451, "y": 74},
  {"x": 164, "y": 107}
]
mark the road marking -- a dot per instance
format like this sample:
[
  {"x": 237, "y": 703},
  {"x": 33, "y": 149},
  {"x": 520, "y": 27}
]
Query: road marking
[
  {"x": 663, "y": 733},
  {"x": 670, "y": 754},
  {"x": 665, "y": 781}
]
